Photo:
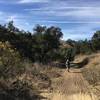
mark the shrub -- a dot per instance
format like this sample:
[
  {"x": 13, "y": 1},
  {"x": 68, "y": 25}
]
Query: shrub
[
  {"x": 10, "y": 62},
  {"x": 18, "y": 90}
]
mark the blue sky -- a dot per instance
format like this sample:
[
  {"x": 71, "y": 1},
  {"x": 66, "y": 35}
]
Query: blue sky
[{"x": 78, "y": 19}]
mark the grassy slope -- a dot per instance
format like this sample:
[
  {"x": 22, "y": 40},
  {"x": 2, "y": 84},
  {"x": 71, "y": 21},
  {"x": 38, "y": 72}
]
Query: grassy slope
[{"x": 91, "y": 71}]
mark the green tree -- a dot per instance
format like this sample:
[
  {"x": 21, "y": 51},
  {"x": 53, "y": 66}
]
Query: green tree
[
  {"x": 70, "y": 54},
  {"x": 96, "y": 40}
]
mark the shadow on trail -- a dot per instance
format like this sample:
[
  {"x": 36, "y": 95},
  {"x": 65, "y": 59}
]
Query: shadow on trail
[
  {"x": 80, "y": 64},
  {"x": 72, "y": 65}
]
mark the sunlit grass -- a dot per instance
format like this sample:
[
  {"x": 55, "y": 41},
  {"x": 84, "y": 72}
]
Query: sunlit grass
[{"x": 78, "y": 96}]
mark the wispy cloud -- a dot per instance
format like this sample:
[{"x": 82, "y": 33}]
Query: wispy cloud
[
  {"x": 65, "y": 22},
  {"x": 61, "y": 8},
  {"x": 69, "y": 11},
  {"x": 32, "y": 1},
  {"x": 12, "y": 17},
  {"x": 70, "y": 14},
  {"x": 84, "y": 31},
  {"x": 73, "y": 16},
  {"x": 18, "y": 19}
]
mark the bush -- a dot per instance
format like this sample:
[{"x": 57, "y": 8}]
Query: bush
[
  {"x": 92, "y": 75},
  {"x": 18, "y": 90},
  {"x": 10, "y": 62}
]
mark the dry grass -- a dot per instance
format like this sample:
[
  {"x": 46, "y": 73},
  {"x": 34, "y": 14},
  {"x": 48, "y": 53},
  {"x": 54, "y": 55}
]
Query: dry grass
[
  {"x": 91, "y": 72},
  {"x": 60, "y": 86},
  {"x": 72, "y": 86},
  {"x": 41, "y": 75},
  {"x": 78, "y": 96},
  {"x": 63, "y": 86}
]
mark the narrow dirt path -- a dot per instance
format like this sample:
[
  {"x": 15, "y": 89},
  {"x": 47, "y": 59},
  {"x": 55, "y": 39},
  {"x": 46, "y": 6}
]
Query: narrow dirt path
[{"x": 72, "y": 87}]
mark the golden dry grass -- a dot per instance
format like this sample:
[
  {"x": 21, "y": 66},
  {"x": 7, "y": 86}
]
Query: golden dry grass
[
  {"x": 78, "y": 96},
  {"x": 91, "y": 73},
  {"x": 72, "y": 86}
]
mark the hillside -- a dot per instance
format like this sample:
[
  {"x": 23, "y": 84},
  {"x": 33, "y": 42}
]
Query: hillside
[
  {"x": 32, "y": 65},
  {"x": 79, "y": 84},
  {"x": 91, "y": 73}
]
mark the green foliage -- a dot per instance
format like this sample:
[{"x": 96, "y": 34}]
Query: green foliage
[
  {"x": 89, "y": 46},
  {"x": 96, "y": 40},
  {"x": 43, "y": 45},
  {"x": 84, "y": 47},
  {"x": 10, "y": 63},
  {"x": 39, "y": 47},
  {"x": 70, "y": 54},
  {"x": 71, "y": 42},
  {"x": 11, "y": 28}
]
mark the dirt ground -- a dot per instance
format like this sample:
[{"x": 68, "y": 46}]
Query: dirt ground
[{"x": 72, "y": 86}]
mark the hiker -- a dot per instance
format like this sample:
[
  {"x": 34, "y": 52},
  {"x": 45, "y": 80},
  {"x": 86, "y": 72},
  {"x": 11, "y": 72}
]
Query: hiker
[
  {"x": 70, "y": 54},
  {"x": 68, "y": 64}
]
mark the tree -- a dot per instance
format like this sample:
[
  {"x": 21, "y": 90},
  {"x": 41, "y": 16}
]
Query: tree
[
  {"x": 11, "y": 28},
  {"x": 96, "y": 35},
  {"x": 47, "y": 40},
  {"x": 96, "y": 40},
  {"x": 40, "y": 46},
  {"x": 71, "y": 42},
  {"x": 53, "y": 35},
  {"x": 70, "y": 54},
  {"x": 39, "y": 29}
]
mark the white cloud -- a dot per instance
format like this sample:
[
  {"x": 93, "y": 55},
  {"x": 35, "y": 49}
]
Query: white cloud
[
  {"x": 85, "y": 12},
  {"x": 62, "y": 8},
  {"x": 12, "y": 17},
  {"x": 69, "y": 11},
  {"x": 80, "y": 32},
  {"x": 65, "y": 22},
  {"x": 32, "y": 1},
  {"x": 77, "y": 14},
  {"x": 71, "y": 14},
  {"x": 6, "y": 17},
  {"x": 85, "y": 15}
]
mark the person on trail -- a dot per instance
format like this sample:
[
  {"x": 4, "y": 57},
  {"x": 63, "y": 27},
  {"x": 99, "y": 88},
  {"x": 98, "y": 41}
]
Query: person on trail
[
  {"x": 69, "y": 57},
  {"x": 68, "y": 64}
]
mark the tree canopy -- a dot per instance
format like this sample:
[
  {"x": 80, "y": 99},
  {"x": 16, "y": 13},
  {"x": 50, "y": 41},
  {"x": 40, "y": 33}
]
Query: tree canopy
[{"x": 44, "y": 43}]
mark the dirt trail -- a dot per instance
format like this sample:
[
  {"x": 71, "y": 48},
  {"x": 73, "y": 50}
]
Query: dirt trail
[{"x": 73, "y": 87}]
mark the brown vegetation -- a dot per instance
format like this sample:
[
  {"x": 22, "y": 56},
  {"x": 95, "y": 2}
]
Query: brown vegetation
[{"x": 91, "y": 72}]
